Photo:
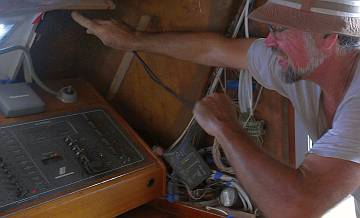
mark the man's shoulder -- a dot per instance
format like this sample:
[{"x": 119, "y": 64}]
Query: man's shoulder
[{"x": 258, "y": 47}]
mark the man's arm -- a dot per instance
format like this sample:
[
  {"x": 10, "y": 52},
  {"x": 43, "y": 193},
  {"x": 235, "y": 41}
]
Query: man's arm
[
  {"x": 278, "y": 190},
  {"x": 203, "y": 48}
]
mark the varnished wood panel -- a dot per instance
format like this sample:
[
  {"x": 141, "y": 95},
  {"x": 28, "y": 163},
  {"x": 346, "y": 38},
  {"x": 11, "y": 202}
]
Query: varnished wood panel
[
  {"x": 184, "y": 210},
  {"x": 146, "y": 106},
  {"x": 149, "y": 212},
  {"x": 189, "y": 210},
  {"x": 274, "y": 109},
  {"x": 63, "y": 50},
  {"x": 105, "y": 200}
]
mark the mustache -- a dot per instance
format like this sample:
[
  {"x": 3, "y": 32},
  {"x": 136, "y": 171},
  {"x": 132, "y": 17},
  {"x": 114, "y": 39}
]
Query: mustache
[
  {"x": 277, "y": 52},
  {"x": 290, "y": 75}
]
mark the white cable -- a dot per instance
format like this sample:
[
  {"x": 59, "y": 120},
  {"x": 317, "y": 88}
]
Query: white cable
[
  {"x": 215, "y": 82},
  {"x": 240, "y": 190},
  {"x": 258, "y": 98},
  {"x": 238, "y": 25},
  {"x": 225, "y": 79},
  {"x": 216, "y": 209},
  {"x": 248, "y": 82},
  {"x": 245, "y": 79},
  {"x": 216, "y": 154},
  {"x": 183, "y": 133},
  {"x": 217, "y": 79},
  {"x": 30, "y": 66},
  {"x": 218, "y": 74},
  {"x": 245, "y": 92},
  {"x": 234, "y": 183},
  {"x": 247, "y": 5},
  {"x": 222, "y": 86},
  {"x": 244, "y": 195}
]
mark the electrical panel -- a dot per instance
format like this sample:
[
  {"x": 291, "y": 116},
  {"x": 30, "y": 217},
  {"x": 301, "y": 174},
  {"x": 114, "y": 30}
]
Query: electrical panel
[{"x": 52, "y": 156}]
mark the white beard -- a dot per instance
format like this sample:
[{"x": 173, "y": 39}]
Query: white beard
[{"x": 316, "y": 58}]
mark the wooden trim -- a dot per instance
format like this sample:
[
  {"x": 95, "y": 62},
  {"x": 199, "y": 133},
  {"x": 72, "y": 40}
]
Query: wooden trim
[
  {"x": 291, "y": 135},
  {"x": 104, "y": 200},
  {"x": 183, "y": 209},
  {"x": 188, "y": 210},
  {"x": 126, "y": 61}
]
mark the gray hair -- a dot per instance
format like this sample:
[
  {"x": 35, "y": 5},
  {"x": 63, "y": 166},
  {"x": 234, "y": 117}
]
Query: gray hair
[
  {"x": 292, "y": 75},
  {"x": 348, "y": 44}
]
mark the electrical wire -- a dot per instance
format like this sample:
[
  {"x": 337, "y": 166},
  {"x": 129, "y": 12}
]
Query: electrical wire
[
  {"x": 247, "y": 5},
  {"x": 191, "y": 194},
  {"x": 222, "y": 86},
  {"x": 30, "y": 66},
  {"x": 258, "y": 98},
  {"x": 245, "y": 92},
  {"x": 156, "y": 79},
  {"x": 216, "y": 81},
  {"x": 239, "y": 21},
  {"x": 234, "y": 183},
  {"x": 246, "y": 105},
  {"x": 216, "y": 77},
  {"x": 194, "y": 194},
  {"x": 245, "y": 79},
  {"x": 245, "y": 88},
  {"x": 217, "y": 209},
  {"x": 216, "y": 154}
]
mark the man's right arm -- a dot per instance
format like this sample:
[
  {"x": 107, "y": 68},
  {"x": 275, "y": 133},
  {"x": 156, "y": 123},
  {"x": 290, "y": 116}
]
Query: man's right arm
[{"x": 210, "y": 49}]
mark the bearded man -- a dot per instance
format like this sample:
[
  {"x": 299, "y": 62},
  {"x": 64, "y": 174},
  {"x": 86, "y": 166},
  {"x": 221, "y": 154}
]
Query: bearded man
[{"x": 311, "y": 57}]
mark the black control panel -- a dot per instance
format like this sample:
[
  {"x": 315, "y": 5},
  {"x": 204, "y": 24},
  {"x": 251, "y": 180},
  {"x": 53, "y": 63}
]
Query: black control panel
[{"x": 49, "y": 156}]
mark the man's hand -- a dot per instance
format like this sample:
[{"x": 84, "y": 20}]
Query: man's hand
[
  {"x": 112, "y": 33},
  {"x": 214, "y": 112}
]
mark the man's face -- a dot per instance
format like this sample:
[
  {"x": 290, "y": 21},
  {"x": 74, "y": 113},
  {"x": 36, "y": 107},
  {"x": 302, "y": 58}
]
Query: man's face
[{"x": 298, "y": 54}]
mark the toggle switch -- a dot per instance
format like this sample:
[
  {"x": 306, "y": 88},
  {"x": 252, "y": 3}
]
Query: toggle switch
[
  {"x": 67, "y": 140},
  {"x": 52, "y": 158}
]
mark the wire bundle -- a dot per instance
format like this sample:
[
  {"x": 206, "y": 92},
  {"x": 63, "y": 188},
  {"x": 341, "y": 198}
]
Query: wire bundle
[
  {"x": 245, "y": 100},
  {"x": 179, "y": 190},
  {"x": 157, "y": 80},
  {"x": 232, "y": 182},
  {"x": 246, "y": 105},
  {"x": 216, "y": 154}
]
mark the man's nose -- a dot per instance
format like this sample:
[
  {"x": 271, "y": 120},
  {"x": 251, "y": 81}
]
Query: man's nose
[{"x": 271, "y": 41}]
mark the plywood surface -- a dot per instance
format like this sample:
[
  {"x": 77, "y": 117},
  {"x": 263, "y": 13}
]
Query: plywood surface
[
  {"x": 148, "y": 108},
  {"x": 63, "y": 50}
]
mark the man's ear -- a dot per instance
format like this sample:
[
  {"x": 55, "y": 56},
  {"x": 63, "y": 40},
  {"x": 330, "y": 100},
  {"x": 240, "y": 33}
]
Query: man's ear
[{"x": 329, "y": 41}]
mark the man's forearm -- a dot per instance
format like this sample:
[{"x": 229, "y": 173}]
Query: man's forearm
[
  {"x": 204, "y": 48},
  {"x": 275, "y": 188},
  {"x": 279, "y": 191}
]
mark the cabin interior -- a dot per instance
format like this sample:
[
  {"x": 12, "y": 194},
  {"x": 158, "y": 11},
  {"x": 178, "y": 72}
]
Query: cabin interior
[{"x": 125, "y": 146}]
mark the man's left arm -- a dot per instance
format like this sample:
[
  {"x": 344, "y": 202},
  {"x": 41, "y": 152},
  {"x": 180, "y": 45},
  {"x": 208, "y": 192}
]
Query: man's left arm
[{"x": 279, "y": 191}]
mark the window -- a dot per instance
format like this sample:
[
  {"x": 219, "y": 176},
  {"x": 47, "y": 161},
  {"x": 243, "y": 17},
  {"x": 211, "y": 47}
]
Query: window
[
  {"x": 4, "y": 30},
  {"x": 309, "y": 143}
]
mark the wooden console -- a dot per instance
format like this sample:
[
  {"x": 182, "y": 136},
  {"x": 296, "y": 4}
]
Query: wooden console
[{"x": 109, "y": 196}]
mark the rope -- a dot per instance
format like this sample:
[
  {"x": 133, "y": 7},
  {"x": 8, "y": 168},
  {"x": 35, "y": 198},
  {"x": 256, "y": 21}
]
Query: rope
[{"x": 216, "y": 153}]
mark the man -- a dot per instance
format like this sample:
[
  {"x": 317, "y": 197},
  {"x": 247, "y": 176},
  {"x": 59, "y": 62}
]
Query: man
[{"x": 310, "y": 57}]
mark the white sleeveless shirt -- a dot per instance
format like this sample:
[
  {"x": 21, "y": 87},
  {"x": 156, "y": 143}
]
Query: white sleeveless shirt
[{"x": 343, "y": 139}]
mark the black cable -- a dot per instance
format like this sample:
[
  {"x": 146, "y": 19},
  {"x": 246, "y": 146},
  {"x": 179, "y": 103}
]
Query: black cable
[{"x": 156, "y": 79}]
